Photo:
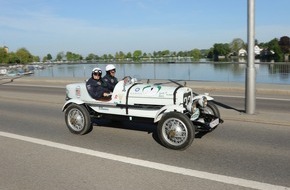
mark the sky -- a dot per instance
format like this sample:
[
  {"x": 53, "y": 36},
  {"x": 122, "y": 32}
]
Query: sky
[{"x": 109, "y": 26}]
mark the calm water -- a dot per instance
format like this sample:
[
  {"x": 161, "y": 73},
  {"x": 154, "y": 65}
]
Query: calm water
[{"x": 225, "y": 72}]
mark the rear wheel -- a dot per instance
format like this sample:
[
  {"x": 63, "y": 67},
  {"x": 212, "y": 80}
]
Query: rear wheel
[
  {"x": 78, "y": 119},
  {"x": 175, "y": 131}
]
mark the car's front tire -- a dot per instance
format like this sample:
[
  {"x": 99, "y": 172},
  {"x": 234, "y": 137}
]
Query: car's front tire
[
  {"x": 78, "y": 119},
  {"x": 175, "y": 131},
  {"x": 211, "y": 109}
]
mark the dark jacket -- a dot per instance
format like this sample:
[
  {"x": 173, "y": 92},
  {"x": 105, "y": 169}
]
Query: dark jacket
[
  {"x": 96, "y": 88},
  {"x": 110, "y": 81}
]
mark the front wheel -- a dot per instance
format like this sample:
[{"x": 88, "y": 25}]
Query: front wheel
[
  {"x": 175, "y": 131},
  {"x": 78, "y": 119},
  {"x": 211, "y": 109}
]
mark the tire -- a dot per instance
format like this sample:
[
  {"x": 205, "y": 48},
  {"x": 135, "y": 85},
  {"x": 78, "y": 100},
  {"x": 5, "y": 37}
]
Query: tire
[
  {"x": 211, "y": 109},
  {"x": 78, "y": 119},
  {"x": 175, "y": 131}
]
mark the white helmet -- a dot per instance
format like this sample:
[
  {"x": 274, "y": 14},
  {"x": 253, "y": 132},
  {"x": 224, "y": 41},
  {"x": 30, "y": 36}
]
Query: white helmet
[
  {"x": 110, "y": 67},
  {"x": 97, "y": 70}
]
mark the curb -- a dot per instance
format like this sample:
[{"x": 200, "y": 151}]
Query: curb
[
  {"x": 261, "y": 121},
  {"x": 259, "y": 117}
]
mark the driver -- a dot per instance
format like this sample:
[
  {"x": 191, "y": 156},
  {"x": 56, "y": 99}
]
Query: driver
[
  {"x": 95, "y": 85},
  {"x": 110, "y": 78}
]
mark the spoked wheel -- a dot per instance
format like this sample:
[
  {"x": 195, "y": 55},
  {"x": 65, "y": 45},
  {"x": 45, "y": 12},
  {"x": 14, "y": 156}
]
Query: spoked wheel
[
  {"x": 175, "y": 131},
  {"x": 78, "y": 119},
  {"x": 211, "y": 109}
]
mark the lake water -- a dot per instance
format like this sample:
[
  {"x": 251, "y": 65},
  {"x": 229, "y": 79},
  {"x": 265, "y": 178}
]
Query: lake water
[{"x": 224, "y": 72}]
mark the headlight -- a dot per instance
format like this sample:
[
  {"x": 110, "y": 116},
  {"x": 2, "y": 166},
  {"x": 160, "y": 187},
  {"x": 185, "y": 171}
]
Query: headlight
[
  {"x": 202, "y": 101},
  {"x": 78, "y": 91},
  {"x": 191, "y": 107}
]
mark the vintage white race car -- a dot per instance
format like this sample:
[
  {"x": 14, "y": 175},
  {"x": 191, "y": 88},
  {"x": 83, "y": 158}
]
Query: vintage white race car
[{"x": 177, "y": 113}]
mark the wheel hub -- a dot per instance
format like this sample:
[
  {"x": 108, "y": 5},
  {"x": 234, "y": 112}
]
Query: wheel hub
[
  {"x": 175, "y": 132},
  {"x": 76, "y": 120},
  {"x": 171, "y": 134}
]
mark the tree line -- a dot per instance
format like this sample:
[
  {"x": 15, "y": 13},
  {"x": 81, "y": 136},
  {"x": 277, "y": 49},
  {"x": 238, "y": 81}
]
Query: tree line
[
  {"x": 280, "y": 47},
  {"x": 277, "y": 50}
]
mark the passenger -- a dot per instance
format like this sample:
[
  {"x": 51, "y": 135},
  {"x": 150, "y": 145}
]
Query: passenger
[
  {"x": 110, "y": 78},
  {"x": 96, "y": 87}
]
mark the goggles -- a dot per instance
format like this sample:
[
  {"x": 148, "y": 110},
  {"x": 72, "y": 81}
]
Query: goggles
[{"x": 98, "y": 73}]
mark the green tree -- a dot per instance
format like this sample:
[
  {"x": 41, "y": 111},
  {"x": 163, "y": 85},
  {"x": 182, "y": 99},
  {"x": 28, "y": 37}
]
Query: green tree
[
  {"x": 129, "y": 55},
  {"x": 49, "y": 57},
  {"x": 73, "y": 56},
  {"x": 236, "y": 45},
  {"x": 69, "y": 56},
  {"x": 137, "y": 55},
  {"x": 3, "y": 56},
  {"x": 110, "y": 57},
  {"x": 195, "y": 54},
  {"x": 24, "y": 55},
  {"x": 165, "y": 53},
  {"x": 173, "y": 53},
  {"x": 36, "y": 59},
  {"x": 97, "y": 57},
  {"x": 60, "y": 56},
  {"x": 91, "y": 57},
  {"x": 105, "y": 57},
  {"x": 120, "y": 55},
  {"x": 44, "y": 59},
  {"x": 117, "y": 57},
  {"x": 220, "y": 49},
  {"x": 274, "y": 46},
  {"x": 12, "y": 58},
  {"x": 284, "y": 43},
  {"x": 180, "y": 54},
  {"x": 210, "y": 53}
]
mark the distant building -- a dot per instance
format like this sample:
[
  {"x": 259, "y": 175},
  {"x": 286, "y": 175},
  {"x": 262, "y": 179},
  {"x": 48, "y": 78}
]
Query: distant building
[
  {"x": 242, "y": 52},
  {"x": 6, "y": 49},
  {"x": 257, "y": 50}
]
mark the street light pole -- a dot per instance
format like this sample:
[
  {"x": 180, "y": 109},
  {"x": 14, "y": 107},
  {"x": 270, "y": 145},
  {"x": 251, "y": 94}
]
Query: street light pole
[{"x": 250, "y": 70}]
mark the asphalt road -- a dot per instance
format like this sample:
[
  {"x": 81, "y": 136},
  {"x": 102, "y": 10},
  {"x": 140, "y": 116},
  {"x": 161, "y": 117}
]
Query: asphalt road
[{"x": 236, "y": 152}]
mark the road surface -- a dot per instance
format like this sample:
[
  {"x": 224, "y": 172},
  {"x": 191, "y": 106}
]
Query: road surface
[{"x": 38, "y": 151}]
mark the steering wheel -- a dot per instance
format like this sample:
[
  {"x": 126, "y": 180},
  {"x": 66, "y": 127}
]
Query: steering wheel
[{"x": 127, "y": 80}]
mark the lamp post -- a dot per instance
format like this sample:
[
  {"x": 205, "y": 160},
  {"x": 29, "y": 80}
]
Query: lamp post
[{"x": 250, "y": 70}]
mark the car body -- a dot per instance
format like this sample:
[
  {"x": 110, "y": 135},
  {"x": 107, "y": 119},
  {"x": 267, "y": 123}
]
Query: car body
[{"x": 177, "y": 113}]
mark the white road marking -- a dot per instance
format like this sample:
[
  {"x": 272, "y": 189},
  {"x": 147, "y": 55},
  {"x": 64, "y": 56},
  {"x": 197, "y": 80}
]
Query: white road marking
[{"x": 153, "y": 165}]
